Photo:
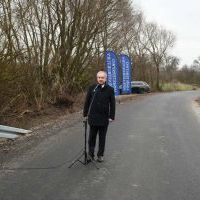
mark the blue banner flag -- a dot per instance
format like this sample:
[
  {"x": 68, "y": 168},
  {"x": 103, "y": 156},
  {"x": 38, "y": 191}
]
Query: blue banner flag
[
  {"x": 112, "y": 67},
  {"x": 126, "y": 74}
]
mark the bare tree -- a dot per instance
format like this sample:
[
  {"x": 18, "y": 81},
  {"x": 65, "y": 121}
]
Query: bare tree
[
  {"x": 159, "y": 41},
  {"x": 171, "y": 66},
  {"x": 51, "y": 48},
  {"x": 196, "y": 64}
]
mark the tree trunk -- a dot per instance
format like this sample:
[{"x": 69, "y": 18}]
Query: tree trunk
[{"x": 157, "y": 77}]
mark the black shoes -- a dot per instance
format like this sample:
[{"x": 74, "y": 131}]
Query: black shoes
[
  {"x": 100, "y": 159},
  {"x": 91, "y": 158}
]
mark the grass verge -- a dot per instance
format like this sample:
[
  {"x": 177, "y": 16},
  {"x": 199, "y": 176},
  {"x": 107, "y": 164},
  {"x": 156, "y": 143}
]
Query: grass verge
[{"x": 169, "y": 87}]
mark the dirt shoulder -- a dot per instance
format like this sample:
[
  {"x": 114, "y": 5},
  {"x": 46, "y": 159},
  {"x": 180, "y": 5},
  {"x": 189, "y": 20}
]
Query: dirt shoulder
[
  {"x": 198, "y": 101},
  {"x": 196, "y": 107}
]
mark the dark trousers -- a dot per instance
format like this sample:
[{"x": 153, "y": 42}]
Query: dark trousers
[{"x": 101, "y": 131}]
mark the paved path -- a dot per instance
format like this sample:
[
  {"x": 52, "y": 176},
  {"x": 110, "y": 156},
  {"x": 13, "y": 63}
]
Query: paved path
[{"x": 152, "y": 153}]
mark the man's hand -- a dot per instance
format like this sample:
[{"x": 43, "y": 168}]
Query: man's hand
[{"x": 110, "y": 120}]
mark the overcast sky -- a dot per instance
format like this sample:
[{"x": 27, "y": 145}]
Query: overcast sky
[{"x": 181, "y": 17}]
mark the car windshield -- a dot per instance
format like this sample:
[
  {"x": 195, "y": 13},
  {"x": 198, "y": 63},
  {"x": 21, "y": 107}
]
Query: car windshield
[{"x": 137, "y": 83}]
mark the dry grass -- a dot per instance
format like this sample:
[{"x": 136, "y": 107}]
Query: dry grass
[
  {"x": 31, "y": 117},
  {"x": 169, "y": 87}
]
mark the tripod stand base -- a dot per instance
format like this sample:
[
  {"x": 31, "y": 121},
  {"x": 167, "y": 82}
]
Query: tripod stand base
[
  {"x": 85, "y": 162},
  {"x": 84, "y": 153}
]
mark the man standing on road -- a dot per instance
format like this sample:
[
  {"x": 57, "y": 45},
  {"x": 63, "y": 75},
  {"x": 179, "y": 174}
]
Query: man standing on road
[{"x": 99, "y": 108}]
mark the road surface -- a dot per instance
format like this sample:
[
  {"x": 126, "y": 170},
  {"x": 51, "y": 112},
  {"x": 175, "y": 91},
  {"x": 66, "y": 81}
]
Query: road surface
[{"x": 152, "y": 153}]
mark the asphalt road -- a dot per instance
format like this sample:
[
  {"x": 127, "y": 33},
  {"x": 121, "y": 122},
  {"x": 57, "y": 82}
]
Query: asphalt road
[{"x": 152, "y": 153}]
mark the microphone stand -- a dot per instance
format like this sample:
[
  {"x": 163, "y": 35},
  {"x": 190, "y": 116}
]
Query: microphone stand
[{"x": 84, "y": 154}]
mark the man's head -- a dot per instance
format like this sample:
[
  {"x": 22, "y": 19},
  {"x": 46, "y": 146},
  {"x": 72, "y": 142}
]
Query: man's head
[{"x": 101, "y": 77}]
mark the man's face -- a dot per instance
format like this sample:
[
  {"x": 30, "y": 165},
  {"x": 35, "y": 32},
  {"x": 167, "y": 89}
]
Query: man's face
[{"x": 101, "y": 78}]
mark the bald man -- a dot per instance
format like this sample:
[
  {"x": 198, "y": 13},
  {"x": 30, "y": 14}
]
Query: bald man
[{"x": 99, "y": 109}]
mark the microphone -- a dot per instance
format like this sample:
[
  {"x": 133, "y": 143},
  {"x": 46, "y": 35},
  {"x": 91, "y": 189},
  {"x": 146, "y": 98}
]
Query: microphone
[{"x": 95, "y": 88}]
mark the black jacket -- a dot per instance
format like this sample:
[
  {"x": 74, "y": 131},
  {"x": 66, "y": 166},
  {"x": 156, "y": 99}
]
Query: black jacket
[{"x": 99, "y": 105}]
